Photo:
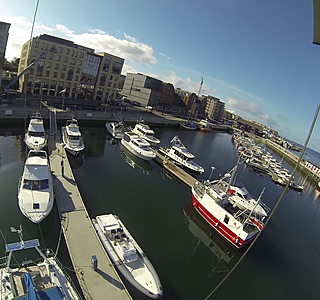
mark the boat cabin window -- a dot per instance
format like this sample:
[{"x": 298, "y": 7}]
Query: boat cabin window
[
  {"x": 73, "y": 138},
  {"x": 127, "y": 138},
  {"x": 36, "y": 185},
  {"x": 36, "y": 133},
  {"x": 226, "y": 219}
]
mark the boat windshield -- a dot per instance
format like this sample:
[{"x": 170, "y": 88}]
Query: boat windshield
[
  {"x": 36, "y": 185},
  {"x": 36, "y": 133},
  {"x": 73, "y": 137}
]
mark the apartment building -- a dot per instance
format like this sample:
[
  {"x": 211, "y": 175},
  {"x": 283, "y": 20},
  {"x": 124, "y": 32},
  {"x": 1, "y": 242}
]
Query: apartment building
[
  {"x": 143, "y": 89},
  {"x": 214, "y": 108},
  {"x": 62, "y": 65},
  {"x": 4, "y": 33}
]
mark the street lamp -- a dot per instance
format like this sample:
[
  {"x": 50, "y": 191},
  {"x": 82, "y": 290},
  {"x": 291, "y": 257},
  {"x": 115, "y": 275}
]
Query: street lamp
[{"x": 64, "y": 94}]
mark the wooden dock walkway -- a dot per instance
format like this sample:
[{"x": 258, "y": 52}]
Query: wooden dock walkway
[
  {"x": 183, "y": 176},
  {"x": 80, "y": 235}
]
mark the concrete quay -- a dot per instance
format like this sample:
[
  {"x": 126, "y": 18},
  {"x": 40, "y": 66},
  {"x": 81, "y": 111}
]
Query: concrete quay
[{"x": 80, "y": 235}]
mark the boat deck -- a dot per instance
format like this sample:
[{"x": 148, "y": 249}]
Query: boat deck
[{"x": 80, "y": 235}]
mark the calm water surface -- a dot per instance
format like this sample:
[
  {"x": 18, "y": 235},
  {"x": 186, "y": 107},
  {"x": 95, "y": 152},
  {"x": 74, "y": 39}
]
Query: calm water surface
[{"x": 189, "y": 258}]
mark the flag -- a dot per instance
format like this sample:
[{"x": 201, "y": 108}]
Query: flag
[{"x": 63, "y": 91}]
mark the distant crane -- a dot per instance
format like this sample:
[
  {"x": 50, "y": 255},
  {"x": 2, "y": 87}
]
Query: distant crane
[{"x": 200, "y": 86}]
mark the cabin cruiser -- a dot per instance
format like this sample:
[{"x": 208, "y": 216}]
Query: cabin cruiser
[
  {"x": 35, "y": 137},
  {"x": 116, "y": 129},
  {"x": 41, "y": 277},
  {"x": 71, "y": 137},
  {"x": 35, "y": 191},
  {"x": 137, "y": 146},
  {"x": 144, "y": 131},
  {"x": 181, "y": 156},
  {"x": 127, "y": 255}
]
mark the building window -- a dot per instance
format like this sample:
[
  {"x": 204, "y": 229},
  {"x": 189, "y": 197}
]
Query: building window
[
  {"x": 72, "y": 53},
  {"x": 76, "y": 55},
  {"x": 72, "y": 61},
  {"x": 77, "y": 78},
  {"x": 55, "y": 74},
  {"x": 114, "y": 85},
  {"x": 64, "y": 68},
  {"x": 47, "y": 73},
  {"x": 49, "y": 64},
  {"x": 60, "y": 50},
  {"x": 70, "y": 73},
  {"x": 57, "y": 66},
  {"x": 58, "y": 57},
  {"x": 103, "y": 80},
  {"x": 34, "y": 53},
  {"x": 78, "y": 70},
  {"x": 36, "y": 44},
  {"x": 42, "y": 46},
  {"x": 116, "y": 78},
  {"x": 66, "y": 59},
  {"x": 31, "y": 71},
  {"x": 109, "y": 84},
  {"x": 81, "y": 55},
  {"x": 62, "y": 75},
  {"x": 79, "y": 63},
  {"x": 51, "y": 56},
  {"x": 68, "y": 51},
  {"x": 111, "y": 77}
]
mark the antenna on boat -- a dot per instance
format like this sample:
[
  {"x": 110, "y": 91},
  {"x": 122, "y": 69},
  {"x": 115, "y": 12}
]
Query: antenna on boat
[
  {"x": 18, "y": 231},
  {"x": 212, "y": 169}
]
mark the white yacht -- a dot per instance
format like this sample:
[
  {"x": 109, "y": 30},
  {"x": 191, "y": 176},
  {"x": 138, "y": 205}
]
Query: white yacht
[
  {"x": 71, "y": 137},
  {"x": 144, "y": 131},
  {"x": 40, "y": 277},
  {"x": 181, "y": 156},
  {"x": 116, "y": 129},
  {"x": 35, "y": 191},
  {"x": 35, "y": 137},
  {"x": 137, "y": 146},
  {"x": 127, "y": 255}
]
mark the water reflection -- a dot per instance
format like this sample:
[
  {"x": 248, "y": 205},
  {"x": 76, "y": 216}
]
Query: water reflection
[
  {"x": 224, "y": 256},
  {"x": 75, "y": 161},
  {"x": 135, "y": 162}
]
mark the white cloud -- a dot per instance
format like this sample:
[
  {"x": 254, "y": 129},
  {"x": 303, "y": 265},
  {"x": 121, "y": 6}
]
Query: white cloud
[
  {"x": 187, "y": 84},
  {"x": 136, "y": 52},
  {"x": 98, "y": 31},
  {"x": 130, "y": 38},
  {"x": 64, "y": 30},
  {"x": 249, "y": 110},
  {"x": 165, "y": 56}
]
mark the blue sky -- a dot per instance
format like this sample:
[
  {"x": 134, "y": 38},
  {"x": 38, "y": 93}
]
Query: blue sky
[{"x": 256, "y": 56}]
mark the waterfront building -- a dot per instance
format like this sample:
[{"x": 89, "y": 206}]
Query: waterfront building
[
  {"x": 214, "y": 108},
  {"x": 142, "y": 89},
  {"x": 167, "y": 93},
  {"x": 74, "y": 69},
  {"x": 4, "y": 33}
]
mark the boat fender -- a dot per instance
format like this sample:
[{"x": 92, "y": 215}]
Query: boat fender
[{"x": 230, "y": 191}]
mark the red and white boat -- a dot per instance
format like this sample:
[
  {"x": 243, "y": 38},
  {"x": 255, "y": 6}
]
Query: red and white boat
[{"x": 239, "y": 224}]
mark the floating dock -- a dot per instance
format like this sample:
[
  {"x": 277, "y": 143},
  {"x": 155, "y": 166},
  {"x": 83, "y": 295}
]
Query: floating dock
[
  {"x": 180, "y": 174},
  {"x": 97, "y": 276}
]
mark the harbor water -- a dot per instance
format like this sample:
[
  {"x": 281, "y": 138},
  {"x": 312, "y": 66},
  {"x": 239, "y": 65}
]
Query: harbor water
[{"x": 187, "y": 254}]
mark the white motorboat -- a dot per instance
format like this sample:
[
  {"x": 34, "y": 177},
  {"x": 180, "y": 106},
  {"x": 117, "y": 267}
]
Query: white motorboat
[
  {"x": 181, "y": 156},
  {"x": 71, "y": 137},
  {"x": 137, "y": 146},
  {"x": 144, "y": 131},
  {"x": 127, "y": 255},
  {"x": 40, "y": 277},
  {"x": 116, "y": 129},
  {"x": 35, "y": 191},
  {"x": 35, "y": 137}
]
